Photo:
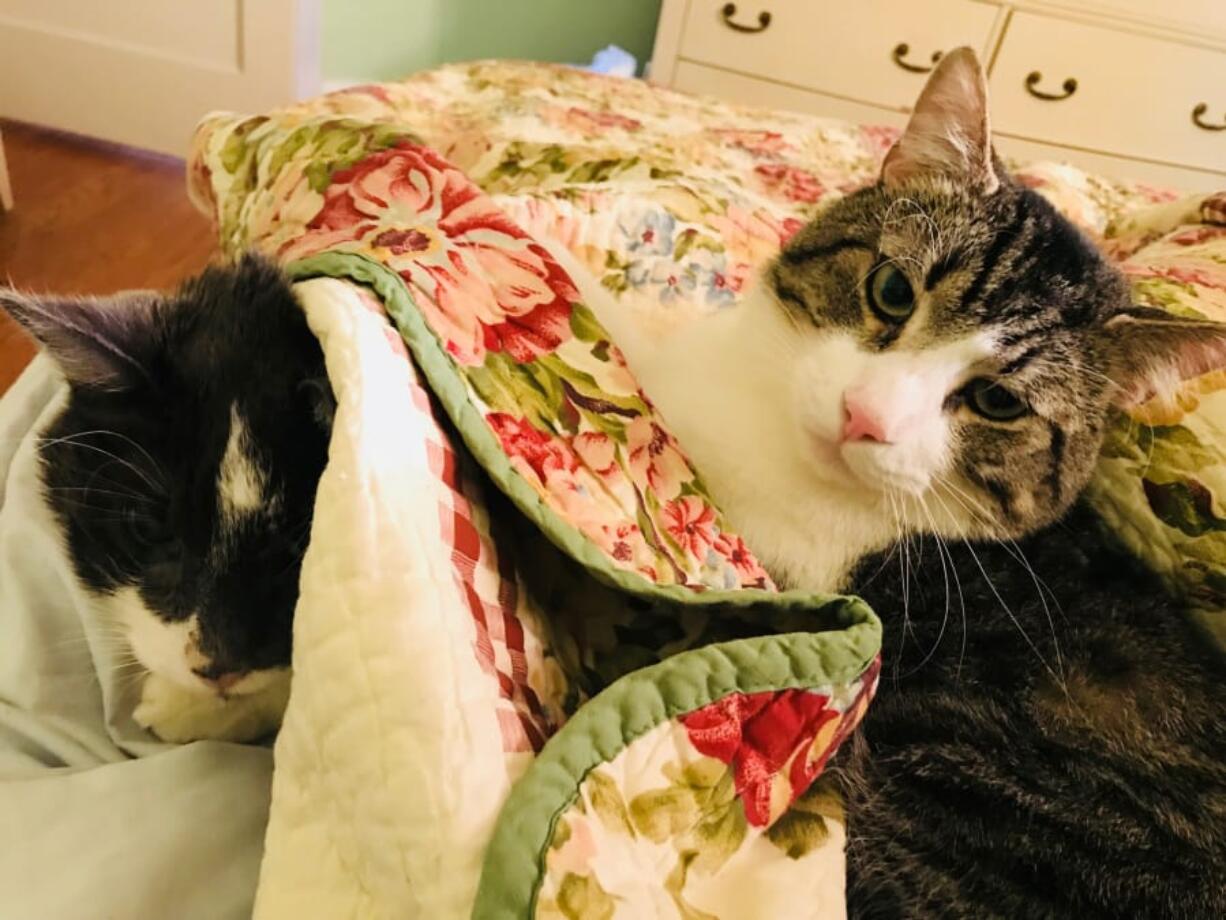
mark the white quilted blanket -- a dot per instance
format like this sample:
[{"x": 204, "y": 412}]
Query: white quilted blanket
[{"x": 389, "y": 773}]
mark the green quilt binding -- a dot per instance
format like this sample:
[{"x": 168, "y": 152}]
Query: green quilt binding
[
  {"x": 641, "y": 700},
  {"x": 633, "y": 705},
  {"x": 449, "y": 387}
]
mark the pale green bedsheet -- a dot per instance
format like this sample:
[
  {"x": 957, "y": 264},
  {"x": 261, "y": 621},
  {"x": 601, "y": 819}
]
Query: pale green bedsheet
[{"x": 97, "y": 819}]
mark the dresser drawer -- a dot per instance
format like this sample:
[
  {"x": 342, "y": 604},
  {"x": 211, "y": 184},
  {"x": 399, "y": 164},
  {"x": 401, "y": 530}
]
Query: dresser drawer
[
  {"x": 763, "y": 94},
  {"x": 1111, "y": 92},
  {"x": 848, "y": 49}
]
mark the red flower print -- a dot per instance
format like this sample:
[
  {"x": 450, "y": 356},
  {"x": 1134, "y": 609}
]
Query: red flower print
[
  {"x": 484, "y": 285},
  {"x": 593, "y": 121},
  {"x": 794, "y": 184},
  {"x": 1198, "y": 234},
  {"x": 759, "y": 143},
  {"x": 656, "y": 463},
  {"x": 1156, "y": 195},
  {"x": 757, "y": 734},
  {"x": 365, "y": 89},
  {"x": 788, "y": 228},
  {"x": 1195, "y": 276},
  {"x": 598, "y": 451},
  {"x": 733, "y": 548},
  {"x": 879, "y": 138},
  {"x": 692, "y": 524},
  {"x": 542, "y": 453}
]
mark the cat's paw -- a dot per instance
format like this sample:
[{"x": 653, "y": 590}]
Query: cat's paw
[{"x": 177, "y": 715}]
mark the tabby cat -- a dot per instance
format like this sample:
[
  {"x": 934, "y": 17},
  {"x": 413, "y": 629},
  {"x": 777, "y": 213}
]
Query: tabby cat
[{"x": 922, "y": 377}]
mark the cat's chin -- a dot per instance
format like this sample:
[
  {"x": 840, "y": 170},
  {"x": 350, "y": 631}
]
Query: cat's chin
[
  {"x": 865, "y": 471},
  {"x": 876, "y": 472}
]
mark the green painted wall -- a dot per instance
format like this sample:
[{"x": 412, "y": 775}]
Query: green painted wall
[{"x": 385, "y": 39}]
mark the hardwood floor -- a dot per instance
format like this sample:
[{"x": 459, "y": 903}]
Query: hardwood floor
[{"x": 91, "y": 218}]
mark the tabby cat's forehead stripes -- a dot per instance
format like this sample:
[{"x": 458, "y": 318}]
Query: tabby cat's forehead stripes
[
  {"x": 1007, "y": 236},
  {"x": 802, "y": 252},
  {"x": 944, "y": 265}
]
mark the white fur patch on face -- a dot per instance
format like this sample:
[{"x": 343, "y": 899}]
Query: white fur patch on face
[
  {"x": 241, "y": 482},
  {"x": 165, "y": 648},
  {"x": 172, "y": 649},
  {"x": 906, "y": 392}
]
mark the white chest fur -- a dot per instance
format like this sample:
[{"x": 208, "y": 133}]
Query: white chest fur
[{"x": 724, "y": 384}]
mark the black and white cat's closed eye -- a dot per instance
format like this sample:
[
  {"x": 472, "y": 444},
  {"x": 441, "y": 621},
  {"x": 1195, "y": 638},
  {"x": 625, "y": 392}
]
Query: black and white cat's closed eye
[
  {"x": 890, "y": 295},
  {"x": 989, "y": 399},
  {"x": 145, "y": 530}
]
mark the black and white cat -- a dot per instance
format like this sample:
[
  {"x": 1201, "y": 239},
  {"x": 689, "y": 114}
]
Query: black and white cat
[{"x": 183, "y": 472}]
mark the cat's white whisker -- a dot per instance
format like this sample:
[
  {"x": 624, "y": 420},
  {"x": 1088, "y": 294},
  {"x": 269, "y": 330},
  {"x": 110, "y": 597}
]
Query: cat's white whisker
[
  {"x": 75, "y": 441},
  {"x": 961, "y": 597},
  {"x": 945, "y": 574},
  {"x": 1011, "y": 547},
  {"x": 1057, "y": 675}
]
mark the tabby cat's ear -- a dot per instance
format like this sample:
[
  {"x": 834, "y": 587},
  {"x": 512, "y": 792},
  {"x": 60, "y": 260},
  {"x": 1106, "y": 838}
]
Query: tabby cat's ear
[
  {"x": 1152, "y": 351},
  {"x": 948, "y": 133},
  {"x": 95, "y": 341}
]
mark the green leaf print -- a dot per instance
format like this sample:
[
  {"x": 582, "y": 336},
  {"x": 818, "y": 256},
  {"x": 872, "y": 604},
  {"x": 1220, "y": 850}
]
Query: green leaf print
[
  {"x": 802, "y": 828},
  {"x": 580, "y": 897},
  {"x": 1185, "y": 505},
  {"x": 664, "y": 813},
  {"x": 561, "y": 834},
  {"x": 606, "y": 801},
  {"x": 585, "y": 326},
  {"x": 704, "y": 773},
  {"x": 234, "y": 151},
  {"x": 1175, "y": 447},
  {"x": 284, "y": 151},
  {"x": 502, "y": 385},
  {"x": 675, "y": 886}
]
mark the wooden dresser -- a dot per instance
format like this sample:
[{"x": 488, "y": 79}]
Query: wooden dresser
[{"x": 1128, "y": 88}]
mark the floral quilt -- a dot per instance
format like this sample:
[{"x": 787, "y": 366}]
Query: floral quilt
[{"x": 669, "y": 712}]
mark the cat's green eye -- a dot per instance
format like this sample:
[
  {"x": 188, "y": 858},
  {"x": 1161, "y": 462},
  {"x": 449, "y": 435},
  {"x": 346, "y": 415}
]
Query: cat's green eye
[
  {"x": 890, "y": 294},
  {"x": 991, "y": 400}
]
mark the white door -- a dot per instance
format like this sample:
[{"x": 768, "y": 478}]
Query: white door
[{"x": 142, "y": 72}]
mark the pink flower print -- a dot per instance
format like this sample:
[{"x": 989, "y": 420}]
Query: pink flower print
[
  {"x": 656, "y": 463},
  {"x": 733, "y": 548},
  {"x": 792, "y": 183},
  {"x": 691, "y": 522}
]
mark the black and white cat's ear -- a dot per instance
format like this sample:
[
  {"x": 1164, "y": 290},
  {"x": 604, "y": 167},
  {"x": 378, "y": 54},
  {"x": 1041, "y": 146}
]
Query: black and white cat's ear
[
  {"x": 948, "y": 134},
  {"x": 318, "y": 392},
  {"x": 1151, "y": 352},
  {"x": 95, "y": 341}
]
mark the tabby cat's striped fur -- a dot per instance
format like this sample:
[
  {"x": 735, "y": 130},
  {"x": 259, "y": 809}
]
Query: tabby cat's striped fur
[{"x": 938, "y": 355}]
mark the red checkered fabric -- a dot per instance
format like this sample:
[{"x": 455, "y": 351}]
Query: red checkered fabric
[{"x": 486, "y": 579}]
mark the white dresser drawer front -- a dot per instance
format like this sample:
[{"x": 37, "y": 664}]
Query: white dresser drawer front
[
  {"x": 849, "y": 49},
  {"x": 762, "y": 94},
  {"x": 1116, "y": 92}
]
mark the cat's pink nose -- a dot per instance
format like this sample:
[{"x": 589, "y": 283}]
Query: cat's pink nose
[{"x": 861, "y": 420}]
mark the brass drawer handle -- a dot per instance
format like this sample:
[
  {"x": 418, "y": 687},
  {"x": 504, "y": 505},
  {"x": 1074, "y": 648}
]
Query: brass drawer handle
[
  {"x": 903, "y": 49},
  {"x": 1033, "y": 80},
  {"x": 1204, "y": 125},
  {"x": 729, "y": 10}
]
